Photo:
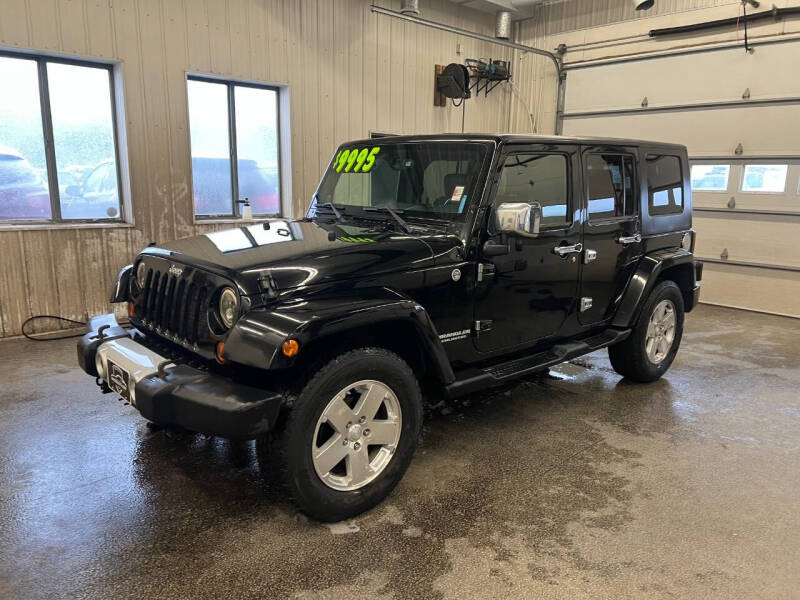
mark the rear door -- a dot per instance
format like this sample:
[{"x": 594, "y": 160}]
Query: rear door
[{"x": 612, "y": 233}]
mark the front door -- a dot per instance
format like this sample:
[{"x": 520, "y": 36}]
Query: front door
[
  {"x": 527, "y": 294},
  {"x": 612, "y": 236}
]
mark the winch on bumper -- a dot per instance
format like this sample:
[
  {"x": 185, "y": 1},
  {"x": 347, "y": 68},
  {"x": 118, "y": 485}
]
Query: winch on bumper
[{"x": 173, "y": 394}]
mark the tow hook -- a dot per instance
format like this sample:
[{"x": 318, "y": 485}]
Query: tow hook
[{"x": 101, "y": 383}]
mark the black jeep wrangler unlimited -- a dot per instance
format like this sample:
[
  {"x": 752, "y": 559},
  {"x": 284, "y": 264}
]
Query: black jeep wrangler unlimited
[{"x": 457, "y": 261}]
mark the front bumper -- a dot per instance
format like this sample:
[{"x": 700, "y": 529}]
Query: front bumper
[{"x": 176, "y": 394}]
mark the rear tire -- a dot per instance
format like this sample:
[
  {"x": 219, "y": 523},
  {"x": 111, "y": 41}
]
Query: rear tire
[
  {"x": 335, "y": 456},
  {"x": 650, "y": 349}
]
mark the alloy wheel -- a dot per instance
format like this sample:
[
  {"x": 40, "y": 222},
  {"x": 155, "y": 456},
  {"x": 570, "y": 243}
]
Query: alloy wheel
[
  {"x": 660, "y": 332},
  {"x": 356, "y": 435}
]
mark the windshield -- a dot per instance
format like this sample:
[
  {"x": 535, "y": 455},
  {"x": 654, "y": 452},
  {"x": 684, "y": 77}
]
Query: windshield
[{"x": 422, "y": 179}]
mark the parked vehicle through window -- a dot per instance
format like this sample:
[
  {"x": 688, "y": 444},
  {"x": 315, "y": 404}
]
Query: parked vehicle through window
[{"x": 51, "y": 183}]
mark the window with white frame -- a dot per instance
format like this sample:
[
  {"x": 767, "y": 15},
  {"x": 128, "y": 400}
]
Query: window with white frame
[
  {"x": 58, "y": 141},
  {"x": 710, "y": 178},
  {"x": 769, "y": 179},
  {"x": 235, "y": 145}
]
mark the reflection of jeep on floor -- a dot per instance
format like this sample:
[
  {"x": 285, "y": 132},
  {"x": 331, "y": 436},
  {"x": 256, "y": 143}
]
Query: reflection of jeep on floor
[{"x": 452, "y": 261}]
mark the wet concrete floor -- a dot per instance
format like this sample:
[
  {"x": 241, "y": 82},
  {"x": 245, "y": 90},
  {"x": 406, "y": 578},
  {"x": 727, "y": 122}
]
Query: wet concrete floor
[{"x": 575, "y": 484}]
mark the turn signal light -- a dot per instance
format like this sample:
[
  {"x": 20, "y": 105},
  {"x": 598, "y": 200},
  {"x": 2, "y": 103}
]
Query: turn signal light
[
  {"x": 131, "y": 310},
  {"x": 218, "y": 352},
  {"x": 290, "y": 348}
]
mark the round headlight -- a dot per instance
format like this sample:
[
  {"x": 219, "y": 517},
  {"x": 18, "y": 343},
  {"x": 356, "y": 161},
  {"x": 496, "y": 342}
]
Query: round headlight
[
  {"x": 141, "y": 274},
  {"x": 228, "y": 307}
]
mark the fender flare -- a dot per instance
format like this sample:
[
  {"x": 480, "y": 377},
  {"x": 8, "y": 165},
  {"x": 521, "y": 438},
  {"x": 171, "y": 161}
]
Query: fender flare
[
  {"x": 256, "y": 338},
  {"x": 644, "y": 279}
]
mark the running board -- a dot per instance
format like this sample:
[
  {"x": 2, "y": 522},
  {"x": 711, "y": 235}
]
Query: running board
[{"x": 471, "y": 380}]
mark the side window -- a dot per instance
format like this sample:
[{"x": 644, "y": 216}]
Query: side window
[
  {"x": 664, "y": 185},
  {"x": 610, "y": 186},
  {"x": 538, "y": 178}
]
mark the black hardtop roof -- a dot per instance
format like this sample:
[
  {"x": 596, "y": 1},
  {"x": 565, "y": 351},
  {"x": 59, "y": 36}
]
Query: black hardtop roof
[{"x": 514, "y": 138}]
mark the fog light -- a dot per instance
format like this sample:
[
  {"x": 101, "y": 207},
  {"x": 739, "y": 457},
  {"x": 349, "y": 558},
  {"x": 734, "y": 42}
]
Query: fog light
[
  {"x": 98, "y": 363},
  {"x": 290, "y": 348},
  {"x": 219, "y": 350}
]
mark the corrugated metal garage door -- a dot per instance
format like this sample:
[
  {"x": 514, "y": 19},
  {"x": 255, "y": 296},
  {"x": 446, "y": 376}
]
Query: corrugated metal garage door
[{"x": 739, "y": 115}]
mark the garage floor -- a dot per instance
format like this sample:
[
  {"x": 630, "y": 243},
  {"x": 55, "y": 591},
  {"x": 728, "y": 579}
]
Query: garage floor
[{"x": 576, "y": 484}]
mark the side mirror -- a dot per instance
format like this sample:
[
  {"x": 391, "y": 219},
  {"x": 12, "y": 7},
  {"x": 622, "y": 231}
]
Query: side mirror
[
  {"x": 519, "y": 218},
  {"x": 73, "y": 190}
]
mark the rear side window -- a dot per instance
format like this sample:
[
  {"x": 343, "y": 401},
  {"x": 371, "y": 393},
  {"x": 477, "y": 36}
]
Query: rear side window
[
  {"x": 610, "y": 186},
  {"x": 538, "y": 178},
  {"x": 664, "y": 184}
]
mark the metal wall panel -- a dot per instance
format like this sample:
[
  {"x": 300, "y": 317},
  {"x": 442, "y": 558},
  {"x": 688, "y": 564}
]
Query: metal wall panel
[{"x": 348, "y": 71}]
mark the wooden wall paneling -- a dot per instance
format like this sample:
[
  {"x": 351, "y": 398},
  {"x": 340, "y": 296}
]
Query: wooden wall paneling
[
  {"x": 258, "y": 19},
  {"x": 154, "y": 84},
  {"x": 15, "y": 24},
  {"x": 339, "y": 96},
  {"x": 175, "y": 57},
  {"x": 100, "y": 29},
  {"x": 354, "y": 35},
  {"x": 67, "y": 265},
  {"x": 307, "y": 93},
  {"x": 71, "y": 15},
  {"x": 40, "y": 282},
  {"x": 198, "y": 37},
  {"x": 94, "y": 283},
  {"x": 13, "y": 288},
  {"x": 369, "y": 44},
  {"x": 219, "y": 36},
  {"x": 128, "y": 49},
  {"x": 45, "y": 32},
  {"x": 295, "y": 76},
  {"x": 383, "y": 75},
  {"x": 328, "y": 71},
  {"x": 241, "y": 52},
  {"x": 393, "y": 78}
]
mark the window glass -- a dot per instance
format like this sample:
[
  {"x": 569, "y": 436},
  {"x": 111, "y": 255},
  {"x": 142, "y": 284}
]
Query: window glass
[
  {"x": 664, "y": 184},
  {"x": 538, "y": 178},
  {"x": 83, "y": 137},
  {"x": 257, "y": 147},
  {"x": 610, "y": 186},
  {"x": 24, "y": 192},
  {"x": 434, "y": 180},
  {"x": 764, "y": 178},
  {"x": 710, "y": 178},
  {"x": 210, "y": 144}
]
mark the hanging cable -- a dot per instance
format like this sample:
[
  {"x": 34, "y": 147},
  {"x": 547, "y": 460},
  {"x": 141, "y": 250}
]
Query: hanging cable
[{"x": 51, "y": 338}]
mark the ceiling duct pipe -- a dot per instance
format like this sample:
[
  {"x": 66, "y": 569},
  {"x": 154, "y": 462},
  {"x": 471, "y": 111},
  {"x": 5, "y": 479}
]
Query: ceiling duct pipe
[
  {"x": 409, "y": 7},
  {"x": 560, "y": 72},
  {"x": 467, "y": 33},
  {"x": 502, "y": 27}
]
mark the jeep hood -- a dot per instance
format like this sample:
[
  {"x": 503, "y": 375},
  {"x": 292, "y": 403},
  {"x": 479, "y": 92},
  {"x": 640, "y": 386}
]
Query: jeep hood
[{"x": 299, "y": 253}]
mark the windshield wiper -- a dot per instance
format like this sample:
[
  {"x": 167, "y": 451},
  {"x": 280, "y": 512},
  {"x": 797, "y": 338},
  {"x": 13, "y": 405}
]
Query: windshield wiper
[
  {"x": 403, "y": 225},
  {"x": 332, "y": 206}
]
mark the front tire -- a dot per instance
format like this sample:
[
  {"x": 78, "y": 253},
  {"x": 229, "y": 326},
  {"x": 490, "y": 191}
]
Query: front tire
[
  {"x": 349, "y": 436},
  {"x": 650, "y": 349}
]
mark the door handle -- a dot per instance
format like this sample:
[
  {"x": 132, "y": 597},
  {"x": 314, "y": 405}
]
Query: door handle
[
  {"x": 564, "y": 250},
  {"x": 629, "y": 239}
]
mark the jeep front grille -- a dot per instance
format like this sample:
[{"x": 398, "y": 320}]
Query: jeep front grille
[{"x": 174, "y": 307}]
